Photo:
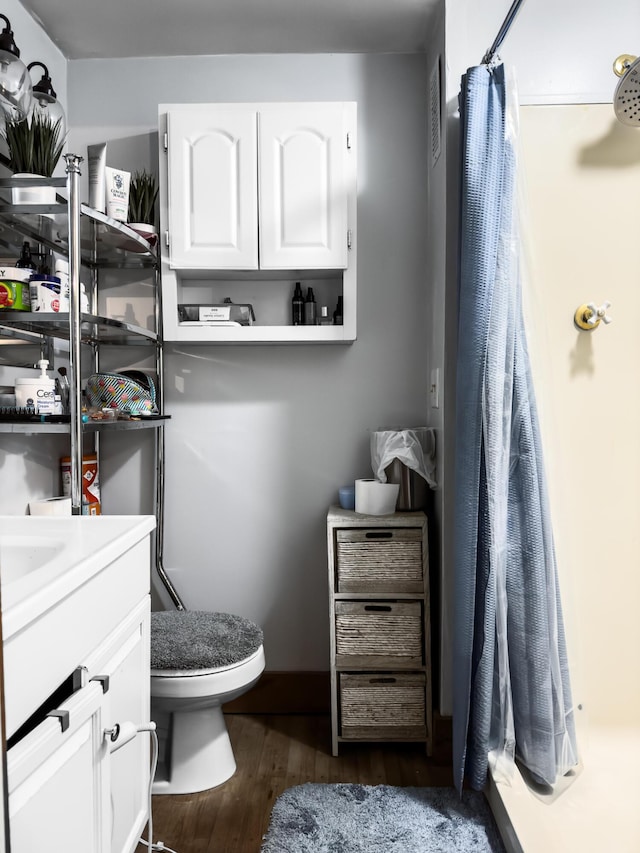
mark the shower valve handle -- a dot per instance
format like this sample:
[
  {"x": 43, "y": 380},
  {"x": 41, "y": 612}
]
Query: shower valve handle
[
  {"x": 599, "y": 313},
  {"x": 589, "y": 315}
]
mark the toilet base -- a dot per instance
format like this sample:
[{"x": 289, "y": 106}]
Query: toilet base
[{"x": 199, "y": 754}]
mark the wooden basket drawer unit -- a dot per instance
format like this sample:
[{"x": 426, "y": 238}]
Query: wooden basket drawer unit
[
  {"x": 383, "y": 706},
  {"x": 379, "y": 634},
  {"x": 379, "y": 560}
]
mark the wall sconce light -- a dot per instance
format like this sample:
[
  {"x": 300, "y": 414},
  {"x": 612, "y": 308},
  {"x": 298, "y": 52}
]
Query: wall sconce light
[
  {"x": 45, "y": 100},
  {"x": 15, "y": 83}
]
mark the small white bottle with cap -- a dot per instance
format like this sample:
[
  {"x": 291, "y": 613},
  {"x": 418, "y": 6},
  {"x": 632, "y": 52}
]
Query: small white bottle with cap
[{"x": 62, "y": 271}]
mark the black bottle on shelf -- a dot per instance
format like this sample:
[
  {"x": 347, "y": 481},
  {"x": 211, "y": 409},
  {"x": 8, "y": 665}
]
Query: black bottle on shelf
[
  {"x": 297, "y": 306},
  {"x": 25, "y": 261},
  {"x": 310, "y": 309},
  {"x": 337, "y": 314}
]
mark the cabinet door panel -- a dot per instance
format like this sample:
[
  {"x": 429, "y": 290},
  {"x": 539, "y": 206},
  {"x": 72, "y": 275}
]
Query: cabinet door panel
[
  {"x": 303, "y": 208},
  {"x": 58, "y": 781},
  {"x": 213, "y": 216},
  {"x": 124, "y": 657}
]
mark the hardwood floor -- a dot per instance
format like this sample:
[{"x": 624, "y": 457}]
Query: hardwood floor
[{"x": 275, "y": 752}]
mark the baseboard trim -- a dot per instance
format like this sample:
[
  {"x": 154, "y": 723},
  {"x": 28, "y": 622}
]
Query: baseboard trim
[{"x": 285, "y": 693}]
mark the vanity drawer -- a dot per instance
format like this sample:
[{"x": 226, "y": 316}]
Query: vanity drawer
[
  {"x": 383, "y": 706},
  {"x": 379, "y": 633},
  {"x": 379, "y": 560},
  {"x": 57, "y": 783}
]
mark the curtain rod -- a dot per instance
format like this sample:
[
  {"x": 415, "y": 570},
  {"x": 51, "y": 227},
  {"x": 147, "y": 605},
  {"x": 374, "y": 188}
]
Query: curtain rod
[{"x": 504, "y": 29}]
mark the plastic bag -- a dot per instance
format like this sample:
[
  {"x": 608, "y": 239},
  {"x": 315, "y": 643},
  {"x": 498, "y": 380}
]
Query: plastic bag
[{"x": 404, "y": 445}]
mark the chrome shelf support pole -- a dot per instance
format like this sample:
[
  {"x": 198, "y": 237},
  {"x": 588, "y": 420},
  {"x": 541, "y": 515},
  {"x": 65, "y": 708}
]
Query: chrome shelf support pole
[{"x": 75, "y": 364}]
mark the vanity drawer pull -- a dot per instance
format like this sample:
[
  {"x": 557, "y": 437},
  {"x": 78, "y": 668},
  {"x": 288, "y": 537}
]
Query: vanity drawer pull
[
  {"x": 103, "y": 680},
  {"x": 64, "y": 718}
]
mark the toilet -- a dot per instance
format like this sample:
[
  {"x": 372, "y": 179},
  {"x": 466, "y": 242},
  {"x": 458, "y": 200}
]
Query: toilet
[{"x": 199, "y": 661}]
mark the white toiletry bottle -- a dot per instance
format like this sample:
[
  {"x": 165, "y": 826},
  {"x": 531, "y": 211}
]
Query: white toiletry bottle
[
  {"x": 37, "y": 392},
  {"x": 62, "y": 271}
]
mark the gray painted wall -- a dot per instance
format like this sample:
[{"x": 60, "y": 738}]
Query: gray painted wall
[{"x": 262, "y": 437}]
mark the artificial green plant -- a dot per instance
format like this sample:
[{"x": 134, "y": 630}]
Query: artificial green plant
[
  {"x": 143, "y": 192},
  {"x": 34, "y": 144}
]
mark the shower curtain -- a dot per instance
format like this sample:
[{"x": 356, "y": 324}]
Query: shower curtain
[{"x": 512, "y": 697}]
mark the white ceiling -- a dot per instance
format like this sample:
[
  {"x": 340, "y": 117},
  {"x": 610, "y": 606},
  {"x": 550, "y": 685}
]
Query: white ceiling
[{"x": 118, "y": 28}]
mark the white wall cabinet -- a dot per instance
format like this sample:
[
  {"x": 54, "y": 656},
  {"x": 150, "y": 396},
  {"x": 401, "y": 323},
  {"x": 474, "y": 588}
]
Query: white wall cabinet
[{"x": 255, "y": 193}]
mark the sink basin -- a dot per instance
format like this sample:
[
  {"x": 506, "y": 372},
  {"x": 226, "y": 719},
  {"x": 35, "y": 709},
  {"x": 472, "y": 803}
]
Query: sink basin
[
  {"x": 20, "y": 555},
  {"x": 42, "y": 558}
]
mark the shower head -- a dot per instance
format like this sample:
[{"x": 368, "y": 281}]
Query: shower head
[{"x": 626, "y": 99}]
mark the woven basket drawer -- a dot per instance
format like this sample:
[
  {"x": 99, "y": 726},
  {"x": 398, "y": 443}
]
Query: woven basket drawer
[
  {"x": 379, "y": 560},
  {"x": 383, "y": 706},
  {"x": 379, "y": 633}
]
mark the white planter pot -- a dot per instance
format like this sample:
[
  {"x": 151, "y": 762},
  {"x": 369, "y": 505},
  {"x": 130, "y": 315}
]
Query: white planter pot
[
  {"x": 147, "y": 232},
  {"x": 32, "y": 195}
]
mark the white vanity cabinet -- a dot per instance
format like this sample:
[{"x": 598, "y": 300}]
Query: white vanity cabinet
[
  {"x": 257, "y": 193},
  {"x": 77, "y": 662}
]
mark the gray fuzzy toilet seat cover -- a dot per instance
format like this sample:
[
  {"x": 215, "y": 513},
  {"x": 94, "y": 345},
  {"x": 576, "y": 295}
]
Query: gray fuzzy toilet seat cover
[{"x": 191, "y": 640}]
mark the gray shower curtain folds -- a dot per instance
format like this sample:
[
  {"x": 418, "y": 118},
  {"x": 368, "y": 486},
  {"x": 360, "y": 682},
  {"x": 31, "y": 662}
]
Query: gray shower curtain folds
[{"x": 512, "y": 697}]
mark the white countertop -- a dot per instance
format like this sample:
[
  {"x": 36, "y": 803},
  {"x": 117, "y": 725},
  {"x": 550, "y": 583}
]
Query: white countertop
[{"x": 43, "y": 559}]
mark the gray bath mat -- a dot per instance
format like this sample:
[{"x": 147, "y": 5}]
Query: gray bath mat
[{"x": 344, "y": 818}]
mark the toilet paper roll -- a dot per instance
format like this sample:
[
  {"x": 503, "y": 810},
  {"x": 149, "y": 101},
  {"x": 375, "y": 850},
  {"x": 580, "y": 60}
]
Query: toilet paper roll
[
  {"x": 51, "y": 506},
  {"x": 376, "y": 498}
]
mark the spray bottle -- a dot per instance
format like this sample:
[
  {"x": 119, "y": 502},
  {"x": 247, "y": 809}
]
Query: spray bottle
[{"x": 297, "y": 306}]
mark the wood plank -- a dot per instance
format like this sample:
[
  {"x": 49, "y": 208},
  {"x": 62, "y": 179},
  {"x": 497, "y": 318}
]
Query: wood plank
[{"x": 273, "y": 753}]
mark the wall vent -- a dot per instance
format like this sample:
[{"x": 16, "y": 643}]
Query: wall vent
[{"x": 435, "y": 100}]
